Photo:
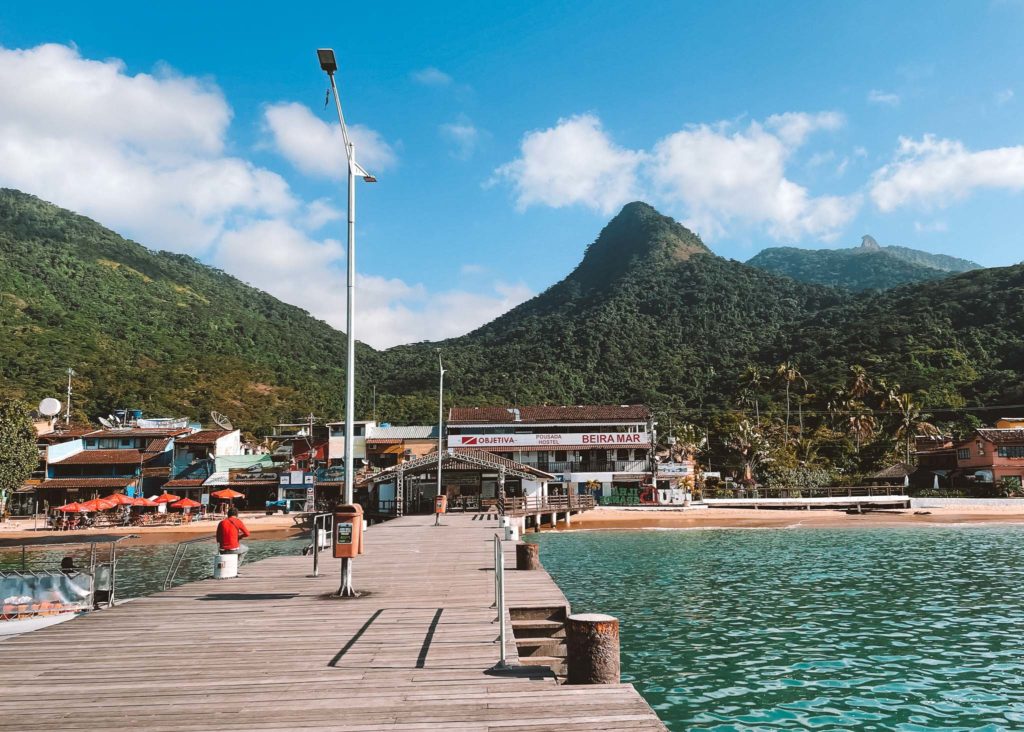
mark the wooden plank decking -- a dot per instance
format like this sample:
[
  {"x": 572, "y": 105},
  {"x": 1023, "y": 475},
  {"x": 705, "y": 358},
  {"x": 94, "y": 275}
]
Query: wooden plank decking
[{"x": 270, "y": 650}]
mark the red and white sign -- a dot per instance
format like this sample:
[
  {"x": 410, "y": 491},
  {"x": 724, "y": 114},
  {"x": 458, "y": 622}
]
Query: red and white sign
[{"x": 554, "y": 439}]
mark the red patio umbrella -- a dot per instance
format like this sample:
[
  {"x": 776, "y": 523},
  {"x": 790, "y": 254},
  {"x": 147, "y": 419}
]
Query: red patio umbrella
[
  {"x": 73, "y": 507},
  {"x": 144, "y": 502},
  {"x": 97, "y": 504},
  {"x": 186, "y": 503},
  {"x": 227, "y": 494},
  {"x": 166, "y": 497},
  {"x": 119, "y": 499}
]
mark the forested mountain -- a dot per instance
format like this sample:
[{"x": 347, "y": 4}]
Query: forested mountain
[
  {"x": 867, "y": 267},
  {"x": 154, "y": 330},
  {"x": 649, "y": 315}
]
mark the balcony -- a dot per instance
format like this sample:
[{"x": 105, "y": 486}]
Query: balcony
[{"x": 593, "y": 466}]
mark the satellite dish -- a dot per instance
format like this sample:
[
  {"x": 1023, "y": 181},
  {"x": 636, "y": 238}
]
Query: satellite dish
[
  {"x": 222, "y": 421},
  {"x": 49, "y": 407},
  {"x": 106, "y": 423},
  {"x": 113, "y": 421}
]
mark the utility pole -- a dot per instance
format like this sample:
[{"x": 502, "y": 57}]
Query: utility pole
[{"x": 67, "y": 408}]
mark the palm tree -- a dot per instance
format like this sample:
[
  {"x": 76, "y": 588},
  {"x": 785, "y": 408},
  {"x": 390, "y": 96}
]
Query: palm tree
[
  {"x": 912, "y": 420},
  {"x": 788, "y": 373},
  {"x": 750, "y": 383},
  {"x": 750, "y": 446}
]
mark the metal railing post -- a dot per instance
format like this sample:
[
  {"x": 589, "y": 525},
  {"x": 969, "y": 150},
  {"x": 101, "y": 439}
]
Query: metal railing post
[{"x": 499, "y": 600}]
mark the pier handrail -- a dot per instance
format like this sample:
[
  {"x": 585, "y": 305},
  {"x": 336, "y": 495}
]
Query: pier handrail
[
  {"x": 179, "y": 554},
  {"x": 327, "y": 521},
  {"x": 499, "y": 598}
]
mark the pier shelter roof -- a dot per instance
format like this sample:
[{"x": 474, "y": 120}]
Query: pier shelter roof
[{"x": 461, "y": 460}]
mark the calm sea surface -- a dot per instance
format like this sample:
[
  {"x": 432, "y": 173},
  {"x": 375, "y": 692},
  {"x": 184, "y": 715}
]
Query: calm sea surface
[
  {"x": 141, "y": 569},
  {"x": 865, "y": 629}
]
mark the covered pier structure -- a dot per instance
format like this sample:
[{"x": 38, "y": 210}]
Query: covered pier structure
[{"x": 473, "y": 480}]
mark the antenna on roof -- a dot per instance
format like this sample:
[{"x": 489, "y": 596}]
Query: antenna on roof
[{"x": 222, "y": 421}]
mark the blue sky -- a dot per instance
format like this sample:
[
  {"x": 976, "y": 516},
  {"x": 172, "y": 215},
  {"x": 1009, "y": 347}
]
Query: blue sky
[{"x": 504, "y": 138}]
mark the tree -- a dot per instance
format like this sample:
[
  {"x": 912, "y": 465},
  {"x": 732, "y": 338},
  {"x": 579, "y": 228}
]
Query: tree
[
  {"x": 750, "y": 446},
  {"x": 912, "y": 420},
  {"x": 788, "y": 373},
  {"x": 19, "y": 455}
]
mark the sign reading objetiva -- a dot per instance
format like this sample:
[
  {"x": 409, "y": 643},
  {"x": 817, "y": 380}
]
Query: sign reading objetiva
[{"x": 553, "y": 439}]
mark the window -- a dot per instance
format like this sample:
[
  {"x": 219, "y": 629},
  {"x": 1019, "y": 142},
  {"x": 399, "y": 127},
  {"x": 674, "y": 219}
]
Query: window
[
  {"x": 1011, "y": 451},
  {"x": 126, "y": 442},
  {"x": 90, "y": 443},
  {"x": 559, "y": 456},
  {"x": 964, "y": 453},
  {"x": 981, "y": 447}
]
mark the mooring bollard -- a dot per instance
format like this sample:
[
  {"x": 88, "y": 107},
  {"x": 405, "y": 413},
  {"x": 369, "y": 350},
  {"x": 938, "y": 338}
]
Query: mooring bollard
[
  {"x": 592, "y": 643},
  {"x": 527, "y": 556}
]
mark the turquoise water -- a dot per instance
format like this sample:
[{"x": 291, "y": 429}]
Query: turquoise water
[
  {"x": 141, "y": 569},
  {"x": 854, "y": 629}
]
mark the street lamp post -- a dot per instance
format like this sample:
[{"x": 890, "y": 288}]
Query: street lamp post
[
  {"x": 330, "y": 65},
  {"x": 440, "y": 419}
]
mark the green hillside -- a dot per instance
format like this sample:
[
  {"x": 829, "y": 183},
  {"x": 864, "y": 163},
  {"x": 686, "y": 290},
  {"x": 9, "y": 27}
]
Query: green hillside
[
  {"x": 867, "y": 267},
  {"x": 154, "y": 330},
  {"x": 649, "y": 315}
]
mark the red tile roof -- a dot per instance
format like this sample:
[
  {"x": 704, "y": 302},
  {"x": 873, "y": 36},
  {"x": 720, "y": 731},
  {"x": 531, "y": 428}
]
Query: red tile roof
[
  {"x": 102, "y": 457},
  {"x": 96, "y": 483},
  {"x": 203, "y": 437},
  {"x": 157, "y": 446},
  {"x": 551, "y": 415},
  {"x": 1002, "y": 437}
]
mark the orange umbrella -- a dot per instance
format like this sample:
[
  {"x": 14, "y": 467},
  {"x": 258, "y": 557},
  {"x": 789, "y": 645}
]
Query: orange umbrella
[
  {"x": 97, "y": 504},
  {"x": 119, "y": 499},
  {"x": 227, "y": 494},
  {"x": 186, "y": 503},
  {"x": 73, "y": 507},
  {"x": 167, "y": 498},
  {"x": 144, "y": 502}
]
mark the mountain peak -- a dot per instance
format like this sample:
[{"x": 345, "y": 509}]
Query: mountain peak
[{"x": 868, "y": 244}]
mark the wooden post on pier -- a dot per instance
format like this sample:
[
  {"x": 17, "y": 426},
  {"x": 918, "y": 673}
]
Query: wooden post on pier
[
  {"x": 527, "y": 556},
  {"x": 592, "y": 643}
]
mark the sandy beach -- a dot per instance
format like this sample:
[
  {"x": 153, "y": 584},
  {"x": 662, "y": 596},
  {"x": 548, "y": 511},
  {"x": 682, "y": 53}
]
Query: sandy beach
[
  {"x": 260, "y": 525},
  {"x": 736, "y": 518}
]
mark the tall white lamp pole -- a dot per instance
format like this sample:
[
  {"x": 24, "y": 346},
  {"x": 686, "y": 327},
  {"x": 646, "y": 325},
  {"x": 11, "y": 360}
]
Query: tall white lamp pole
[
  {"x": 330, "y": 65},
  {"x": 440, "y": 419}
]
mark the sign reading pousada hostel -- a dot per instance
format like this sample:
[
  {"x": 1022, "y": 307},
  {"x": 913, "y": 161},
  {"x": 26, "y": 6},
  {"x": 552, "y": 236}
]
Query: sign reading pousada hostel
[{"x": 597, "y": 439}]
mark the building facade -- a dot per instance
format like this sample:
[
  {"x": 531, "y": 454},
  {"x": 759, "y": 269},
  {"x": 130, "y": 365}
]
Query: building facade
[
  {"x": 601, "y": 449},
  {"x": 990, "y": 456}
]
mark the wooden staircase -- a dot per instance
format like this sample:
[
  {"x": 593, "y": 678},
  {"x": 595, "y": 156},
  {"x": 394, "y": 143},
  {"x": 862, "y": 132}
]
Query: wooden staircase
[{"x": 539, "y": 634}]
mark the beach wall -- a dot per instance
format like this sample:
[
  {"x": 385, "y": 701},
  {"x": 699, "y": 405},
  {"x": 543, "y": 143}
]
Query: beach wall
[{"x": 965, "y": 502}]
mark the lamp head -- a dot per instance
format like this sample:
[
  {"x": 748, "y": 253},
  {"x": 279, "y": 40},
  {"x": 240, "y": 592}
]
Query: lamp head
[{"x": 327, "y": 61}]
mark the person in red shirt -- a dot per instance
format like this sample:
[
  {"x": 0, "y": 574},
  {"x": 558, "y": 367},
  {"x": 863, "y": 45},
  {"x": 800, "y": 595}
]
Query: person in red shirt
[{"x": 229, "y": 531}]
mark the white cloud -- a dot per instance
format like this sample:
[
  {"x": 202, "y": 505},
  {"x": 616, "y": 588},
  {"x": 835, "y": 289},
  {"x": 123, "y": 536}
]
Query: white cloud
[
  {"x": 888, "y": 99},
  {"x": 463, "y": 136},
  {"x": 794, "y": 127},
  {"x": 431, "y": 76},
  {"x": 1004, "y": 96},
  {"x": 725, "y": 178},
  {"x": 319, "y": 213},
  {"x": 574, "y": 162},
  {"x": 315, "y": 146},
  {"x": 292, "y": 266},
  {"x": 935, "y": 172},
  {"x": 141, "y": 153}
]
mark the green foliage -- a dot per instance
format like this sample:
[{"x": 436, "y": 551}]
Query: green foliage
[
  {"x": 799, "y": 477},
  {"x": 19, "y": 455},
  {"x": 858, "y": 269}
]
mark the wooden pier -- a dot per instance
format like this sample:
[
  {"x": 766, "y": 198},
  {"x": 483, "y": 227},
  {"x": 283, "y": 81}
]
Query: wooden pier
[{"x": 271, "y": 650}]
